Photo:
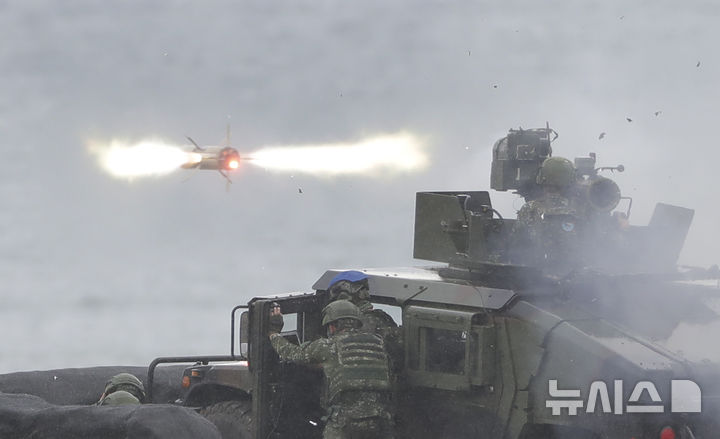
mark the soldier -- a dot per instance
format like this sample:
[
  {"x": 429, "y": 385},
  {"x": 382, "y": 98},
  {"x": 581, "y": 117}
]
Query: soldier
[
  {"x": 353, "y": 285},
  {"x": 545, "y": 229},
  {"x": 357, "y": 373},
  {"x": 127, "y": 383},
  {"x": 119, "y": 397}
]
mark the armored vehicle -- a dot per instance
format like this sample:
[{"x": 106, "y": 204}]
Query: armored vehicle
[{"x": 497, "y": 344}]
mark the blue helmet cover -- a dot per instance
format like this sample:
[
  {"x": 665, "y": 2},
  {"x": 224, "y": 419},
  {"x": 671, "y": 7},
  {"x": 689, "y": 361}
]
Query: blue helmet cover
[{"x": 350, "y": 276}]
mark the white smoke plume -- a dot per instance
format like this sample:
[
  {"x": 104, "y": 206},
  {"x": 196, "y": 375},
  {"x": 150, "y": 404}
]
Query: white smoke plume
[{"x": 390, "y": 153}]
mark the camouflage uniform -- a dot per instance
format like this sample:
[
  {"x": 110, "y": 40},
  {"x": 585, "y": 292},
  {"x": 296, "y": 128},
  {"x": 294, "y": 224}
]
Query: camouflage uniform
[
  {"x": 378, "y": 322},
  {"x": 374, "y": 321},
  {"x": 546, "y": 229},
  {"x": 357, "y": 377},
  {"x": 533, "y": 212}
]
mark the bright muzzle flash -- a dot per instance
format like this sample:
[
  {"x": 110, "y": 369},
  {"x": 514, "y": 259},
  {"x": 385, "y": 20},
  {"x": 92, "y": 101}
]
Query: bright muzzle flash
[{"x": 388, "y": 153}]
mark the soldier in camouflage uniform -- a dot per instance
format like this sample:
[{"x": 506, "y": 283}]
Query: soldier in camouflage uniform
[
  {"x": 353, "y": 285},
  {"x": 356, "y": 369},
  {"x": 126, "y": 383},
  {"x": 545, "y": 229}
]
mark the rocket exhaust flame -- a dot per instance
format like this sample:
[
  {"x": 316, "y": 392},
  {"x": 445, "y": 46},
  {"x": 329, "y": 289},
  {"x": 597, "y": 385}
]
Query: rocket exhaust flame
[
  {"x": 388, "y": 153},
  {"x": 141, "y": 159},
  {"x": 398, "y": 153}
]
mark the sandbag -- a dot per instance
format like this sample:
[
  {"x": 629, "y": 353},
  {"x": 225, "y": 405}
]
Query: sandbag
[
  {"x": 83, "y": 386},
  {"x": 28, "y": 416}
]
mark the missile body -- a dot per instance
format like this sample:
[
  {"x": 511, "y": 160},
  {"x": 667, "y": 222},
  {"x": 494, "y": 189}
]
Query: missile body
[{"x": 225, "y": 159}]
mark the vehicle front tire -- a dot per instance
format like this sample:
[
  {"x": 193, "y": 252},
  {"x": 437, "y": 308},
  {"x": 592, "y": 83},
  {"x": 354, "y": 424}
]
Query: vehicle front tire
[{"x": 232, "y": 418}]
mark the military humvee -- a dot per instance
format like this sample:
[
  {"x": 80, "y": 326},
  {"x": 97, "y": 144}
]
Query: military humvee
[{"x": 494, "y": 348}]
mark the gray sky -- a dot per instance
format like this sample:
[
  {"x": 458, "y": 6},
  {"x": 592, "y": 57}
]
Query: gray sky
[{"x": 88, "y": 260}]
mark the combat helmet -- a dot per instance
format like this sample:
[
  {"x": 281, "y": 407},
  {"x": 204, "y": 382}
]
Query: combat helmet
[
  {"x": 120, "y": 397},
  {"x": 340, "y": 309},
  {"x": 349, "y": 285},
  {"x": 126, "y": 382},
  {"x": 556, "y": 171}
]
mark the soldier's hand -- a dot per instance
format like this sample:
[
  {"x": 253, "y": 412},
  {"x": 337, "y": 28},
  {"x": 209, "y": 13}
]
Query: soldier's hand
[{"x": 276, "y": 319}]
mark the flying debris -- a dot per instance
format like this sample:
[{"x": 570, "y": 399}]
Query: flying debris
[
  {"x": 628, "y": 119},
  {"x": 698, "y": 64},
  {"x": 300, "y": 190},
  {"x": 601, "y": 136},
  {"x": 658, "y": 113}
]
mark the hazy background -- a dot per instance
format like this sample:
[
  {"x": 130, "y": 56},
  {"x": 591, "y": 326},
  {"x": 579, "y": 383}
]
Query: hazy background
[{"x": 95, "y": 270}]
